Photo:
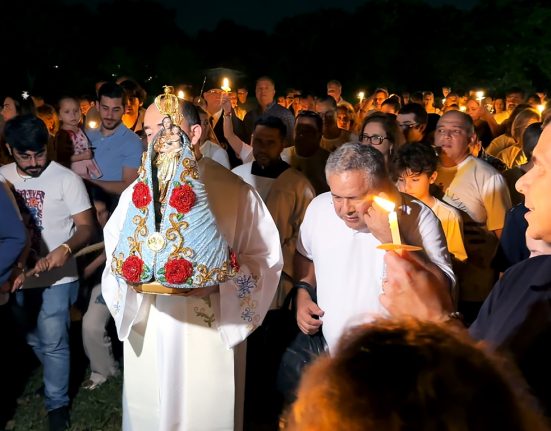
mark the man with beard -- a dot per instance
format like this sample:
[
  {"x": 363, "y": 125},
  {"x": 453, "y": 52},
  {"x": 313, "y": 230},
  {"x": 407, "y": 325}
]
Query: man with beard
[
  {"x": 117, "y": 149},
  {"x": 56, "y": 206}
]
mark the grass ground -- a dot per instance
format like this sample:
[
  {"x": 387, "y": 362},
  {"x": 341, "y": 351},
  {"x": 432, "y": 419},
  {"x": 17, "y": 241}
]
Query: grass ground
[
  {"x": 21, "y": 406},
  {"x": 97, "y": 410}
]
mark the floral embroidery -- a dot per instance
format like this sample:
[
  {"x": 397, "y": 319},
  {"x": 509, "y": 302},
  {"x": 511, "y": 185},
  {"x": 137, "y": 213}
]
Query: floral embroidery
[
  {"x": 182, "y": 198},
  {"x": 233, "y": 262},
  {"x": 132, "y": 269},
  {"x": 141, "y": 196},
  {"x": 247, "y": 314},
  {"x": 245, "y": 283},
  {"x": 178, "y": 271},
  {"x": 207, "y": 318}
]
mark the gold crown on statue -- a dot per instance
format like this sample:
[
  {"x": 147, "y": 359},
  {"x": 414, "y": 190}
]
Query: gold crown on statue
[{"x": 169, "y": 104}]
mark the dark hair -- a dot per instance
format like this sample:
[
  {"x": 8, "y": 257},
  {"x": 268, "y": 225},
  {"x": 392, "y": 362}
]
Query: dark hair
[
  {"x": 393, "y": 101},
  {"x": 329, "y": 100},
  {"x": 190, "y": 113},
  {"x": 389, "y": 123},
  {"x": 417, "y": 97},
  {"x": 530, "y": 138},
  {"x": 411, "y": 375},
  {"x": 26, "y": 133},
  {"x": 23, "y": 105},
  {"x": 311, "y": 114},
  {"x": 273, "y": 123},
  {"x": 514, "y": 90},
  {"x": 419, "y": 111},
  {"x": 266, "y": 78},
  {"x": 87, "y": 97},
  {"x": 417, "y": 157},
  {"x": 112, "y": 91},
  {"x": 133, "y": 90}
]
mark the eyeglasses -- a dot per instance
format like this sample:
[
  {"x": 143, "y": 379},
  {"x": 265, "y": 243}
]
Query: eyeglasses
[
  {"x": 373, "y": 139},
  {"x": 407, "y": 125}
]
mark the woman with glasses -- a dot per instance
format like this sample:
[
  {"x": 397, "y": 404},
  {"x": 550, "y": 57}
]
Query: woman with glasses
[{"x": 382, "y": 132}]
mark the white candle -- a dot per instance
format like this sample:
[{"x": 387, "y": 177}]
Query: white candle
[
  {"x": 361, "y": 96},
  {"x": 392, "y": 218}
]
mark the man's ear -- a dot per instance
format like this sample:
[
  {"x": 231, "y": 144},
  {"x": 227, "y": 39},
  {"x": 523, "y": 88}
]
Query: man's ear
[
  {"x": 433, "y": 177},
  {"x": 196, "y": 131}
]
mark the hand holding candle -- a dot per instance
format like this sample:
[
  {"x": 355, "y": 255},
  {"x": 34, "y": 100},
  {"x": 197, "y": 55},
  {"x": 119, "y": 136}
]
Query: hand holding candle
[
  {"x": 392, "y": 218},
  {"x": 396, "y": 244}
]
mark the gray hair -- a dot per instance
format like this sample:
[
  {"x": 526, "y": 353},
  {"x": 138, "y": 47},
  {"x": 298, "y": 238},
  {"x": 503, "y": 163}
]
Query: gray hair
[{"x": 358, "y": 157}]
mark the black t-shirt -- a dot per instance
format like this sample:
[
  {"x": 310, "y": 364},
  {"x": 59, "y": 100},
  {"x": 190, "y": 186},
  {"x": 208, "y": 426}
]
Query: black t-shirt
[{"x": 516, "y": 320}]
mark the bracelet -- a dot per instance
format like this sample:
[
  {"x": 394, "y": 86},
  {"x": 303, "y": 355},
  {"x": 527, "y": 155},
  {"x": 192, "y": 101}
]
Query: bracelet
[
  {"x": 67, "y": 248},
  {"x": 227, "y": 115}
]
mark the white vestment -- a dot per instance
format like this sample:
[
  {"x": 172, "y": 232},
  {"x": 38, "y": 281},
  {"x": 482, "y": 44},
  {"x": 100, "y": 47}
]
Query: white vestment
[
  {"x": 180, "y": 372},
  {"x": 287, "y": 198}
]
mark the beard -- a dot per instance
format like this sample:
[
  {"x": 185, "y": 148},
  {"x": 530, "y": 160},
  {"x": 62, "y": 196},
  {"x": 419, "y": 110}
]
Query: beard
[{"x": 32, "y": 171}]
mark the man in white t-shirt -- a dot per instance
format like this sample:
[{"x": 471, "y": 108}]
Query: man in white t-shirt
[
  {"x": 481, "y": 193},
  {"x": 57, "y": 208},
  {"x": 337, "y": 248}
]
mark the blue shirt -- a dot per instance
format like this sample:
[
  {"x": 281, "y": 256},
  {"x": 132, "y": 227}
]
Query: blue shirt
[
  {"x": 114, "y": 152},
  {"x": 12, "y": 235}
]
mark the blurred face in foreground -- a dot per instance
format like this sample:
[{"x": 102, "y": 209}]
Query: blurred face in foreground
[{"x": 535, "y": 186}]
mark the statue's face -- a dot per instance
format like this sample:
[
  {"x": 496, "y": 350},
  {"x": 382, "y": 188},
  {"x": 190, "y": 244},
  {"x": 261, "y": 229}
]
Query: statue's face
[{"x": 171, "y": 146}]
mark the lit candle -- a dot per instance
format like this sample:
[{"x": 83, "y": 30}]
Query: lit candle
[
  {"x": 392, "y": 218},
  {"x": 541, "y": 108},
  {"x": 462, "y": 108},
  {"x": 226, "y": 85},
  {"x": 361, "y": 96},
  {"x": 181, "y": 95},
  {"x": 92, "y": 124},
  {"x": 480, "y": 97}
]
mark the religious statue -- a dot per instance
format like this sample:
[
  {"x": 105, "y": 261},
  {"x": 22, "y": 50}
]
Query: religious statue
[{"x": 170, "y": 242}]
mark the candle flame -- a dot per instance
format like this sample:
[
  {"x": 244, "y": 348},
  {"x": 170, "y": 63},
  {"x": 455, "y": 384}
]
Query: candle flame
[
  {"x": 479, "y": 94},
  {"x": 361, "y": 95},
  {"x": 92, "y": 124},
  {"x": 226, "y": 85},
  {"x": 462, "y": 108},
  {"x": 541, "y": 108},
  {"x": 383, "y": 203},
  {"x": 181, "y": 95}
]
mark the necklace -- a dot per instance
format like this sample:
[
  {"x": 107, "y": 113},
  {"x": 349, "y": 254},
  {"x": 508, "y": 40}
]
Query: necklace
[{"x": 23, "y": 177}]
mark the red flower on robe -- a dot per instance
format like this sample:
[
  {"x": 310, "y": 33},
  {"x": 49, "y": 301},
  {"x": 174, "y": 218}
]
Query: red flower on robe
[
  {"x": 132, "y": 269},
  {"x": 182, "y": 198},
  {"x": 233, "y": 261},
  {"x": 141, "y": 195},
  {"x": 177, "y": 271}
]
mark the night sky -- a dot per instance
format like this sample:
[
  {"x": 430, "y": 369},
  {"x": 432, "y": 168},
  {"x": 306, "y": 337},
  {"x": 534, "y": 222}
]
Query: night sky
[{"x": 258, "y": 14}]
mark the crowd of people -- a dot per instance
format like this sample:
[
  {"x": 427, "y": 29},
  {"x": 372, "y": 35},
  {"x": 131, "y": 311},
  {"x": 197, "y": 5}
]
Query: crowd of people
[{"x": 292, "y": 184}]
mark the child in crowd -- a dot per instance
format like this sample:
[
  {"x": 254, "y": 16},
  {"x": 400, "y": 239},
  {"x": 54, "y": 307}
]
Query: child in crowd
[
  {"x": 414, "y": 169},
  {"x": 82, "y": 159}
]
